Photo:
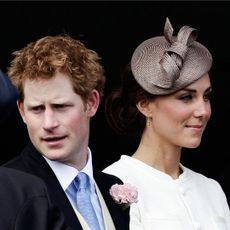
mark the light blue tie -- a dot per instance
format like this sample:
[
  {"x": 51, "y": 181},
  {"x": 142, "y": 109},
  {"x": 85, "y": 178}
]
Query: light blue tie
[{"x": 84, "y": 205}]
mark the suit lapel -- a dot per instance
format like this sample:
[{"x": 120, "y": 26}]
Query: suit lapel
[
  {"x": 81, "y": 219},
  {"x": 120, "y": 217}
]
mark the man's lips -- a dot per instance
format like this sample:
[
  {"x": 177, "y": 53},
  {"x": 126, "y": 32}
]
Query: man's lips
[
  {"x": 53, "y": 138},
  {"x": 54, "y": 141}
]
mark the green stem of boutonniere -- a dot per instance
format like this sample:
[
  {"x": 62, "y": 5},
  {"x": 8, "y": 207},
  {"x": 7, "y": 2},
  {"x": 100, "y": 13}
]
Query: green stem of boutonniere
[{"x": 124, "y": 206}]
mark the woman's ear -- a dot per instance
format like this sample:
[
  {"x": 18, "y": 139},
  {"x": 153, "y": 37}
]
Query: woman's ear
[{"x": 144, "y": 106}]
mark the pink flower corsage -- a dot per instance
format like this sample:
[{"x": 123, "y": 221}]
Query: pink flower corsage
[{"x": 124, "y": 194}]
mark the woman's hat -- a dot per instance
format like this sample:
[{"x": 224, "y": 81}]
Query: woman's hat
[{"x": 165, "y": 64}]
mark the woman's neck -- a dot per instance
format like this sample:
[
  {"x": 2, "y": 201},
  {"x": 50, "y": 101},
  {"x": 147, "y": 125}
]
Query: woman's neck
[{"x": 161, "y": 157}]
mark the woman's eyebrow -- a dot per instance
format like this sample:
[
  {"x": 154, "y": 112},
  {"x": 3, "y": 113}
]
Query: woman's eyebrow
[{"x": 194, "y": 90}]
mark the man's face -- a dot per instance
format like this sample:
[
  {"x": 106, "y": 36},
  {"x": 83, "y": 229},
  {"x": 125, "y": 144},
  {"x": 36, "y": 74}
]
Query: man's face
[{"x": 57, "y": 119}]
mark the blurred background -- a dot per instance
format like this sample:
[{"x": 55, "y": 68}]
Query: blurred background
[{"x": 114, "y": 30}]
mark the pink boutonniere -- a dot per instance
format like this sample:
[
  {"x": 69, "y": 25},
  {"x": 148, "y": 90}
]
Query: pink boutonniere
[{"x": 124, "y": 194}]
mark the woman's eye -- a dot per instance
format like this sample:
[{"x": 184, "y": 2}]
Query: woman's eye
[
  {"x": 186, "y": 97},
  {"x": 207, "y": 97}
]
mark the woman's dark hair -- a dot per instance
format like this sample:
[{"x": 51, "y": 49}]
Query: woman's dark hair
[{"x": 120, "y": 105}]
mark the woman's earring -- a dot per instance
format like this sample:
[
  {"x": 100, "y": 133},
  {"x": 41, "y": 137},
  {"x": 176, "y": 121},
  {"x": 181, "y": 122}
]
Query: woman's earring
[{"x": 149, "y": 121}]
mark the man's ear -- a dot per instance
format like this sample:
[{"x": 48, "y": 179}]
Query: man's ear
[
  {"x": 144, "y": 106},
  {"x": 20, "y": 106},
  {"x": 92, "y": 103}
]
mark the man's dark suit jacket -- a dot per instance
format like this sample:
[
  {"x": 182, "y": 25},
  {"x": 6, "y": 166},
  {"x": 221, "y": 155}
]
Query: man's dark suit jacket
[
  {"x": 24, "y": 204},
  {"x": 31, "y": 161}
]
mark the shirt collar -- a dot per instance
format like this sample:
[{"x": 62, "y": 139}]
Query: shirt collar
[{"x": 65, "y": 173}]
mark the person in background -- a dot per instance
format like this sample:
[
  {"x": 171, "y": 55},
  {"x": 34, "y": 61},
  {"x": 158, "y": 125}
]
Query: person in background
[
  {"x": 25, "y": 203},
  {"x": 165, "y": 99},
  {"x": 8, "y": 96},
  {"x": 60, "y": 84}
]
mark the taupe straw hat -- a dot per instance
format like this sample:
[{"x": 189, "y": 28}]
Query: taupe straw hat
[{"x": 165, "y": 64}]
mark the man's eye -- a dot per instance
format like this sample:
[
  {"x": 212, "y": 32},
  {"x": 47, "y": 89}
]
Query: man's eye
[
  {"x": 37, "y": 109},
  {"x": 60, "y": 106}
]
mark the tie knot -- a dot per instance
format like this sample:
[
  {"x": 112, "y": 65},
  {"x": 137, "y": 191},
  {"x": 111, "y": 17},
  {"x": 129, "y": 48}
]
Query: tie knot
[{"x": 82, "y": 181}]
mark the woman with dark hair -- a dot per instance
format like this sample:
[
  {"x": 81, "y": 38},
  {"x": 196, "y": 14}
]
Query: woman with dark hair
[{"x": 164, "y": 98}]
